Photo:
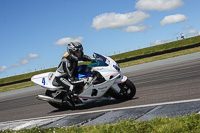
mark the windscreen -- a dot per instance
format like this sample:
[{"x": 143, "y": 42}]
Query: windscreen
[{"x": 99, "y": 61}]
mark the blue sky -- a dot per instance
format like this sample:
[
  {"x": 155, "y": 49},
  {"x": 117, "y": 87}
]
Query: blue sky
[{"x": 34, "y": 33}]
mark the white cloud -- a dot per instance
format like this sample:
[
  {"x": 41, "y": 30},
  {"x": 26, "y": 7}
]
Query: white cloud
[
  {"x": 15, "y": 64},
  {"x": 3, "y": 68},
  {"x": 158, "y": 42},
  {"x": 159, "y": 5},
  {"x": 187, "y": 27},
  {"x": 67, "y": 40},
  {"x": 192, "y": 32},
  {"x": 24, "y": 61},
  {"x": 139, "y": 28},
  {"x": 33, "y": 55},
  {"x": 20, "y": 62},
  {"x": 173, "y": 19},
  {"x": 117, "y": 20}
]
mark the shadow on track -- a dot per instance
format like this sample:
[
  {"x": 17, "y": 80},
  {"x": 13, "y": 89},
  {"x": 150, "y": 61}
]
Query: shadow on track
[{"x": 93, "y": 105}]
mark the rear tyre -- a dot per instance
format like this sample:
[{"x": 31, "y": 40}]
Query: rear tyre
[
  {"x": 64, "y": 106},
  {"x": 127, "y": 91}
]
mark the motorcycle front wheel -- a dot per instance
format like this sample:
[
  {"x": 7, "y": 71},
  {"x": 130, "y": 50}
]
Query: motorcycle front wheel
[{"x": 127, "y": 91}]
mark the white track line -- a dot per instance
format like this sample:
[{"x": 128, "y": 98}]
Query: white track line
[{"x": 106, "y": 110}]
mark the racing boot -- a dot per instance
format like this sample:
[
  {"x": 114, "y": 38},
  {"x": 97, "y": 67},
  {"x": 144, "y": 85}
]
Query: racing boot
[{"x": 67, "y": 101}]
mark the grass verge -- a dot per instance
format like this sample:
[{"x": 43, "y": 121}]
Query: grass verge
[
  {"x": 126, "y": 64},
  {"x": 157, "y": 48},
  {"x": 144, "y": 51},
  {"x": 148, "y": 50},
  {"x": 24, "y": 76},
  {"x": 190, "y": 123},
  {"x": 16, "y": 86},
  {"x": 160, "y": 57}
]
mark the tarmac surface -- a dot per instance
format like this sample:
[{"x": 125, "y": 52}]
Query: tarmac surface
[{"x": 168, "y": 88}]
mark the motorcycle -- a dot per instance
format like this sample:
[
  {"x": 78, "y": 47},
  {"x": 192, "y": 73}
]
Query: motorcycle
[{"x": 103, "y": 81}]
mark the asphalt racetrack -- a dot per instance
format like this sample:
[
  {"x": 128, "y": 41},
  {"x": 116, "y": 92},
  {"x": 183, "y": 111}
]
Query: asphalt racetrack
[{"x": 168, "y": 80}]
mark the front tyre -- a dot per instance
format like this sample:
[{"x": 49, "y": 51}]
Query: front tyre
[{"x": 127, "y": 91}]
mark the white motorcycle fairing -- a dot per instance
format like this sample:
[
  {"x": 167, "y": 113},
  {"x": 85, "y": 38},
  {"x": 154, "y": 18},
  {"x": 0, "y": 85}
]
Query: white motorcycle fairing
[
  {"x": 45, "y": 80},
  {"x": 106, "y": 78},
  {"x": 102, "y": 88}
]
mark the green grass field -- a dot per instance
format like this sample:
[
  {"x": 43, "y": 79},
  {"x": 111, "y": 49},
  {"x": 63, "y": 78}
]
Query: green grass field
[
  {"x": 184, "y": 124},
  {"x": 162, "y": 47}
]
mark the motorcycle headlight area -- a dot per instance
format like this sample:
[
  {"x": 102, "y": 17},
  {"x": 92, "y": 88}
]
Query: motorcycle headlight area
[{"x": 117, "y": 68}]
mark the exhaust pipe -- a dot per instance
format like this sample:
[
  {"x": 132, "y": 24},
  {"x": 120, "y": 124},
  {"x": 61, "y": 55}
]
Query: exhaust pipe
[{"x": 49, "y": 99}]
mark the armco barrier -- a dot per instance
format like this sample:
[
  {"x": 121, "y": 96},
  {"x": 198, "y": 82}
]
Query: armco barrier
[
  {"x": 128, "y": 59},
  {"x": 15, "y": 82}
]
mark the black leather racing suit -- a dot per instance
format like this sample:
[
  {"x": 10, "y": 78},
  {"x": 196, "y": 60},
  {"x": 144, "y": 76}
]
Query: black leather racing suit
[{"x": 67, "y": 72}]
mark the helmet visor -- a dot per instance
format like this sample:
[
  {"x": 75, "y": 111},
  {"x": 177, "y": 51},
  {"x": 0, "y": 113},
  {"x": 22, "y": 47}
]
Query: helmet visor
[
  {"x": 78, "y": 53},
  {"x": 75, "y": 49}
]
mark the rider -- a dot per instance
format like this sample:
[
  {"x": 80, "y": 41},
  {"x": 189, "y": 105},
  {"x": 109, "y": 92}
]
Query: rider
[{"x": 67, "y": 71}]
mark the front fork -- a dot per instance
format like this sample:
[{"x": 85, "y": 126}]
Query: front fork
[{"x": 119, "y": 80}]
